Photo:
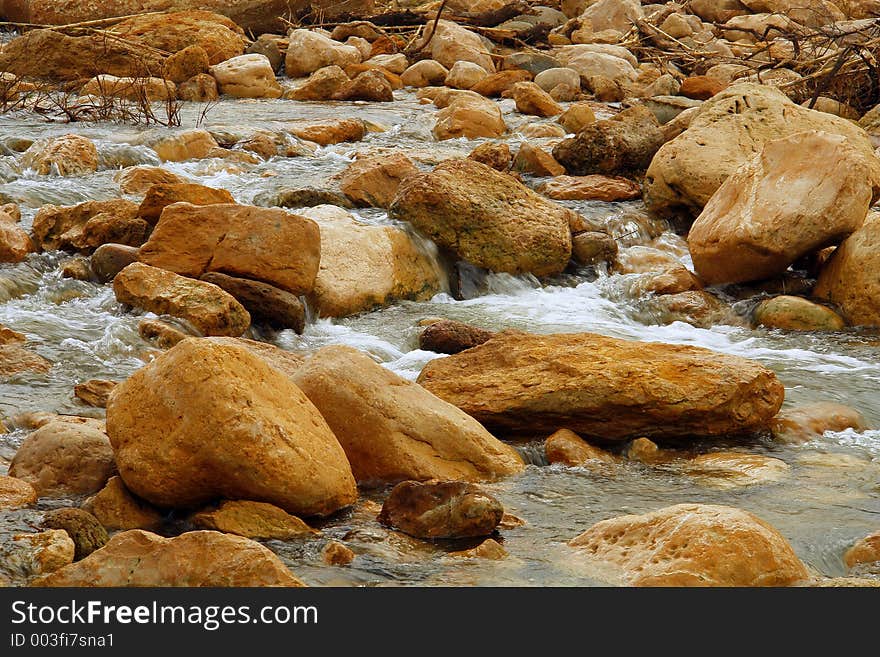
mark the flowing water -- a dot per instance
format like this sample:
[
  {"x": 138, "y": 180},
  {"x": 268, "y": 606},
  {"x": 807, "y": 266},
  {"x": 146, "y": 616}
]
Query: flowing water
[{"x": 829, "y": 498}]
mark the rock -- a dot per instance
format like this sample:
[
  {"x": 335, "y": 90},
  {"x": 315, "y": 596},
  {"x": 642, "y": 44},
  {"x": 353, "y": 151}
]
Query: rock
[
  {"x": 796, "y": 314},
  {"x": 424, "y": 73},
  {"x": 161, "y": 195},
  {"x": 395, "y": 63},
  {"x": 813, "y": 13},
  {"x": 568, "y": 448},
  {"x": 494, "y": 155},
  {"x": 337, "y": 554},
  {"x": 865, "y": 550},
  {"x": 324, "y": 84},
  {"x": 201, "y": 88},
  {"x": 8, "y": 336},
  {"x": 780, "y": 207},
  {"x": 68, "y": 155},
  {"x": 672, "y": 280},
  {"x": 718, "y": 11},
  {"x": 210, "y": 310},
  {"x": 77, "y": 268},
  {"x": 553, "y": 77},
  {"x": 306, "y": 197},
  {"x": 83, "y": 528},
  {"x": 31, "y": 555},
  {"x": 536, "y": 161},
  {"x": 110, "y": 259},
  {"x": 592, "y": 247},
  {"x": 800, "y": 424},
  {"x": 392, "y": 429},
  {"x": 308, "y": 51},
  {"x": 644, "y": 450},
  {"x": 266, "y": 244},
  {"x": 464, "y": 75},
  {"x": 135, "y": 90},
  {"x": 471, "y": 116},
  {"x": 202, "y": 558},
  {"x": 137, "y": 180},
  {"x": 690, "y": 545},
  {"x": 519, "y": 231},
  {"x": 626, "y": 141},
  {"x": 667, "y": 108},
  {"x": 496, "y": 84},
  {"x": 443, "y": 509},
  {"x": 267, "y": 45},
  {"x": 453, "y": 43},
  {"x": 618, "y": 15},
  {"x": 264, "y": 302},
  {"x": 645, "y": 259},
  {"x": 94, "y": 392},
  {"x": 186, "y": 63},
  {"x": 448, "y": 336},
  {"x": 373, "y": 181},
  {"x": 256, "y": 520},
  {"x": 286, "y": 362},
  {"x": 835, "y": 107},
  {"x": 61, "y": 459},
  {"x": 727, "y": 132},
  {"x": 522, "y": 383},
  {"x": 165, "y": 335},
  {"x": 488, "y": 549},
  {"x": 247, "y": 76},
  {"x": 186, "y": 145},
  {"x": 577, "y": 117},
  {"x": 596, "y": 62},
  {"x": 389, "y": 265},
  {"x": 701, "y": 87},
  {"x": 564, "y": 93},
  {"x": 531, "y": 99},
  {"x": 533, "y": 62},
  {"x": 728, "y": 470},
  {"x": 333, "y": 131},
  {"x": 695, "y": 307},
  {"x": 15, "y": 359},
  {"x": 849, "y": 279},
  {"x": 15, "y": 243},
  {"x": 15, "y": 493},
  {"x": 207, "y": 420},
  {"x": 591, "y": 188},
  {"x": 370, "y": 85},
  {"x": 116, "y": 508}
]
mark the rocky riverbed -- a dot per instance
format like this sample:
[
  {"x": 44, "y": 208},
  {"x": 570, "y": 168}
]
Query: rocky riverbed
[{"x": 526, "y": 295}]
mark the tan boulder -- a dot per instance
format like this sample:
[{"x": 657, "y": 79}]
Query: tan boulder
[
  {"x": 61, "y": 459},
  {"x": 577, "y": 117},
  {"x": 94, "y": 392},
  {"x": 800, "y": 424},
  {"x": 256, "y": 520},
  {"x": 453, "y": 43},
  {"x": 207, "y": 420},
  {"x": 150, "y": 89},
  {"x": 447, "y": 336},
  {"x": 373, "y": 181},
  {"x": 796, "y": 314},
  {"x": 116, "y": 508},
  {"x": 286, "y": 362},
  {"x": 33, "y": 555},
  {"x": 331, "y": 131},
  {"x": 495, "y": 155},
  {"x": 690, "y": 545},
  {"x": 265, "y": 303},
  {"x": 15, "y": 243},
  {"x": 390, "y": 265},
  {"x": 591, "y": 188},
  {"x": 469, "y": 115},
  {"x": 865, "y": 550},
  {"x": 531, "y": 99},
  {"x": 496, "y": 84},
  {"x": 780, "y": 207},
  {"x": 15, "y": 359},
  {"x": 184, "y": 145},
  {"x": 424, "y": 73},
  {"x": 201, "y": 88},
  {"x": 850, "y": 278},
  {"x": 161, "y": 195},
  {"x": 536, "y": 161},
  {"x": 672, "y": 280},
  {"x": 729, "y": 470},
  {"x": 15, "y": 493},
  {"x": 323, "y": 84},
  {"x": 185, "y": 64},
  {"x": 393, "y": 429},
  {"x": 137, "y": 180},
  {"x": 811, "y": 13},
  {"x": 464, "y": 75},
  {"x": 265, "y": 244},
  {"x": 83, "y": 528},
  {"x": 592, "y": 247},
  {"x": 68, "y": 155},
  {"x": 247, "y": 76},
  {"x": 605, "y": 388},
  {"x": 202, "y": 558},
  {"x": 487, "y": 218},
  {"x": 568, "y": 448},
  {"x": 309, "y": 51},
  {"x": 208, "y": 308},
  {"x": 337, "y": 554}
]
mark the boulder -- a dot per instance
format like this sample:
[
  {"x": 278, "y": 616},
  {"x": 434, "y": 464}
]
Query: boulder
[
  {"x": 162, "y": 333},
  {"x": 185, "y": 145},
  {"x": 68, "y": 155},
  {"x": 286, "y": 362},
  {"x": 247, "y": 76},
  {"x": 488, "y": 549},
  {"x": 373, "y": 181},
  {"x": 674, "y": 279},
  {"x": 532, "y": 99},
  {"x": 15, "y": 359},
  {"x": 553, "y": 77},
  {"x": 208, "y": 308},
  {"x": 324, "y": 84},
  {"x": 605, "y": 388},
  {"x": 780, "y": 207},
  {"x": 796, "y": 314},
  {"x": 810, "y": 13},
  {"x": 464, "y": 75},
  {"x": 110, "y": 259},
  {"x": 201, "y": 88},
  {"x": 443, "y": 509},
  {"x": 452, "y": 43},
  {"x": 94, "y": 392},
  {"x": 701, "y": 87},
  {"x": 486, "y": 218},
  {"x": 202, "y": 558},
  {"x": 496, "y": 84},
  {"x": 185, "y": 64},
  {"x": 30, "y": 555},
  {"x": 718, "y": 11},
  {"x": 690, "y": 545},
  {"x": 577, "y": 117},
  {"x": 15, "y": 243},
  {"x": 728, "y": 131},
  {"x": 332, "y": 131},
  {"x": 592, "y": 247},
  {"x": 308, "y": 51},
  {"x": 337, "y": 554},
  {"x": 256, "y": 520},
  {"x": 568, "y": 448},
  {"x": 471, "y": 116},
  {"x": 161, "y": 195},
  {"x": 266, "y": 244},
  {"x": 729, "y": 470},
  {"x": 865, "y": 550},
  {"x": 15, "y": 493},
  {"x": 448, "y": 336},
  {"x": 207, "y": 420},
  {"x": 424, "y": 73},
  {"x": 83, "y": 528},
  {"x": 61, "y": 459},
  {"x": 135, "y": 90},
  {"x": 495, "y": 155},
  {"x": 591, "y": 188},
  {"x": 116, "y": 508},
  {"x": 393, "y": 429},
  {"x": 696, "y": 307},
  {"x": 850, "y": 277},
  {"x": 800, "y": 424},
  {"x": 138, "y": 180},
  {"x": 536, "y": 161},
  {"x": 264, "y": 303},
  {"x": 617, "y": 15}
]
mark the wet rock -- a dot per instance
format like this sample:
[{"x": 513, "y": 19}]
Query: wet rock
[
  {"x": 247, "y": 76},
  {"x": 256, "y": 520},
  {"x": 83, "y": 528},
  {"x": 183, "y": 432},
  {"x": 337, "y": 554},
  {"x": 132, "y": 89},
  {"x": 728, "y": 470},
  {"x": 186, "y": 145},
  {"x": 392, "y": 429},
  {"x": 627, "y": 141},
  {"x": 496, "y": 84},
  {"x": 32, "y": 555},
  {"x": 800, "y": 424},
  {"x": 690, "y": 545},
  {"x": 266, "y": 244},
  {"x": 519, "y": 231},
  {"x": 308, "y": 51},
  {"x": 15, "y": 359},
  {"x": 644, "y": 450},
  {"x": 305, "y": 197},
  {"x": 531, "y": 99},
  {"x": 211, "y": 310},
  {"x": 333, "y": 131},
  {"x": 849, "y": 278},
  {"x": 444, "y": 509},
  {"x": 202, "y": 558},
  {"x": 15, "y": 243},
  {"x": 137, "y": 180},
  {"x": 536, "y": 161},
  {"x": 186, "y": 63},
  {"x": 729, "y": 130},
  {"x": 591, "y": 188},
  {"x": 370, "y": 85},
  {"x": 116, "y": 508},
  {"x": 522, "y": 383},
  {"x": 672, "y": 280},
  {"x": 395, "y": 63},
  {"x": 488, "y": 549},
  {"x": 448, "y": 336},
  {"x": 645, "y": 259},
  {"x": 494, "y": 155},
  {"x": 165, "y": 335},
  {"x": 390, "y": 266},
  {"x": 759, "y": 221},
  {"x": 15, "y": 493},
  {"x": 592, "y": 247},
  {"x": 796, "y": 314},
  {"x": 464, "y": 75},
  {"x": 264, "y": 302},
  {"x": 424, "y": 73},
  {"x": 469, "y": 115},
  {"x": 201, "y": 88},
  {"x": 865, "y": 550},
  {"x": 161, "y": 195},
  {"x": 453, "y": 43},
  {"x": 94, "y": 392},
  {"x": 62, "y": 458},
  {"x": 568, "y": 448},
  {"x": 68, "y": 155},
  {"x": 110, "y": 259},
  {"x": 324, "y": 84},
  {"x": 564, "y": 93},
  {"x": 695, "y": 307},
  {"x": 373, "y": 181},
  {"x": 8, "y": 336},
  {"x": 577, "y": 117}
]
